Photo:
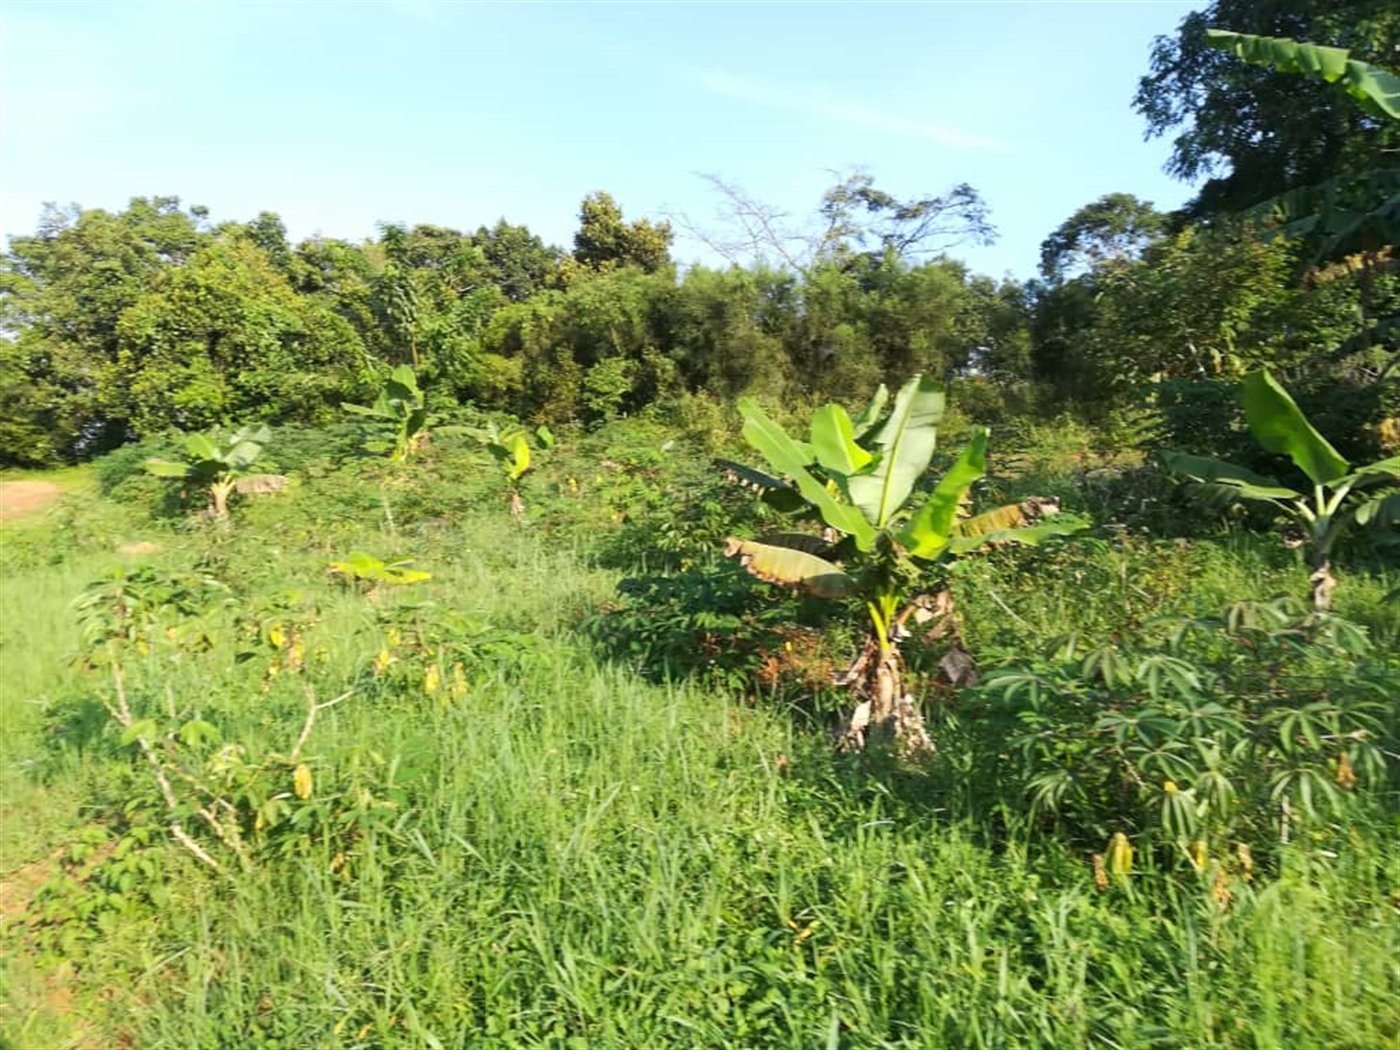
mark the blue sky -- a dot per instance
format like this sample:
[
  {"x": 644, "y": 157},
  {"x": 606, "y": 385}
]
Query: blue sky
[{"x": 338, "y": 116}]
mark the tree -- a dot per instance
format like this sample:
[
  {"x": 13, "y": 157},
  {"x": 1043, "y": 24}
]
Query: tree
[
  {"x": 605, "y": 241},
  {"x": 63, "y": 292},
  {"x": 859, "y": 477},
  {"x": 1260, "y": 132},
  {"x": 518, "y": 260},
  {"x": 1110, "y": 231},
  {"x": 224, "y": 337},
  {"x": 853, "y": 218}
]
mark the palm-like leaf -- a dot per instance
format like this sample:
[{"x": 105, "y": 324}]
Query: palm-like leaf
[
  {"x": 907, "y": 441},
  {"x": 786, "y": 457},
  {"x": 1280, "y": 426},
  {"x": 791, "y": 567}
]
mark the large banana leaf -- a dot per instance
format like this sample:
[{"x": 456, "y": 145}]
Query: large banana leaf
[
  {"x": 377, "y": 411},
  {"x": 790, "y": 567},
  {"x": 1242, "y": 482},
  {"x": 1382, "y": 470},
  {"x": 1383, "y": 509},
  {"x": 907, "y": 441},
  {"x": 1377, "y": 89},
  {"x": 1280, "y": 426},
  {"x": 162, "y": 468},
  {"x": 517, "y": 459},
  {"x": 790, "y": 460},
  {"x": 833, "y": 441},
  {"x": 926, "y": 534}
]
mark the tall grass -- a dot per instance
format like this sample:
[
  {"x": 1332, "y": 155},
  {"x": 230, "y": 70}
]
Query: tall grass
[{"x": 573, "y": 855}]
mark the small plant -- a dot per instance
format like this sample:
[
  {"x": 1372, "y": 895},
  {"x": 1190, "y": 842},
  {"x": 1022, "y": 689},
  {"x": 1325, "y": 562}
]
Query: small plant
[
  {"x": 860, "y": 478},
  {"x": 512, "y": 452},
  {"x": 371, "y": 573},
  {"x": 401, "y": 405},
  {"x": 1335, "y": 502},
  {"x": 204, "y": 782},
  {"x": 216, "y": 467}
]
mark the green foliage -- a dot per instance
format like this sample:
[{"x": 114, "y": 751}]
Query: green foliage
[
  {"x": 371, "y": 572},
  {"x": 215, "y": 465},
  {"x": 859, "y": 477},
  {"x": 501, "y": 807},
  {"x": 605, "y": 242},
  {"x": 1332, "y": 506},
  {"x": 1255, "y": 726},
  {"x": 1262, "y": 131},
  {"x": 1378, "y": 90},
  {"x": 401, "y": 405}
]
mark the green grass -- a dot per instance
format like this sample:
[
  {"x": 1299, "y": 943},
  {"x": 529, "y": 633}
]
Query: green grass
[{"x": 570, "y": 854}]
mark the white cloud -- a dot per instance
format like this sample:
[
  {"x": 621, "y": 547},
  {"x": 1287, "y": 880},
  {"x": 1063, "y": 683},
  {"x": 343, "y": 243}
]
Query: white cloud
[{"x": 817, "y": 102}]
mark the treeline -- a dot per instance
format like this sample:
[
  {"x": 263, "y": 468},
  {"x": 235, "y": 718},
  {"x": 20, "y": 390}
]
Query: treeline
[{"x": 119, "y": 326}]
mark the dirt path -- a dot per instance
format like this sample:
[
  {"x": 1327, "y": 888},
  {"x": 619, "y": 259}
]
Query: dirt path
[{"x": 18, "y": 498}]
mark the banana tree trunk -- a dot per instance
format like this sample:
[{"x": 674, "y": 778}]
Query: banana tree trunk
[
  {"x": 219, "y": 493},
  {"x": 1323, "y": 582},
  {"x": 886, "y": 716}
]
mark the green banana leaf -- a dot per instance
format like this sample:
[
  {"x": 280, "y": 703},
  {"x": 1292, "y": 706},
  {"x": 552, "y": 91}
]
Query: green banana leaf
[
  {"x": 775, "y": 492},
  {"x": 789, "y": 567},
  {"x": 1382, "y": 508},
  {"x": 926, "y": 534},
  {"x": 788, "y": 459},
  {"x": 871, "y": 413},
  {"x": 1380, "y": 471},
  {"x": 1377, "y": 89},
  {"x": 165, "y": 469},
  {"x": 1280, "y": 426},
  {"x": 907, "y": 440},
  {"x": 833, "y": 441},
  {"x": 377, "y": 411},
  {"x": 1216, "y": 472}
]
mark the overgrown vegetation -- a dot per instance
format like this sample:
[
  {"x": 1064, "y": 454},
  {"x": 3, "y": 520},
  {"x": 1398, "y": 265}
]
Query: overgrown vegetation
[{"x": 367, "y": 760}]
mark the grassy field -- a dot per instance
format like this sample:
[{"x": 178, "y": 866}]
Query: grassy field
[{"x": 531, "y": 810}]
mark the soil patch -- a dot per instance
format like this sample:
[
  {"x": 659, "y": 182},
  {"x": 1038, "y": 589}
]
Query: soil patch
[{"x": 18, "y": 498}]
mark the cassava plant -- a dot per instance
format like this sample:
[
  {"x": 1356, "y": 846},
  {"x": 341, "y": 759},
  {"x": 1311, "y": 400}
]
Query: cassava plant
[
  {"x": 881, "y": 546},
  {"x": 214, "y": 466},
  {"x": 1339, "y": 498}
]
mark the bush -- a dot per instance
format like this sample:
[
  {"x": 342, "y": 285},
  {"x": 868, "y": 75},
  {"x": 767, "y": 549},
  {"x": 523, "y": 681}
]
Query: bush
[{"x": 1253, "y": 726}]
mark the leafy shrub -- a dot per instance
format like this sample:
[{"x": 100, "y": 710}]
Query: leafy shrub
[
  {"x": 1245, "y": 727},
  {"x": 121, "y": 474},
  {"x": 714, "y": 622}
]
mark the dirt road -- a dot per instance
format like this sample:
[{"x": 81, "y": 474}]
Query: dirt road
[{"x": 18, "y": 498}]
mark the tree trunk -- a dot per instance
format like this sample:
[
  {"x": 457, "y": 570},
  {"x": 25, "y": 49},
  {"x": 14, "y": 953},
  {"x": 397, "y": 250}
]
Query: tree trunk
[
  {"x": 886, "y": 716},
  {"x": 1323, "y": 583}
]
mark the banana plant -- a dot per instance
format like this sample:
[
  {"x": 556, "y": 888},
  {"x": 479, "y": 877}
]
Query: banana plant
[
  {"x": 1339, "y": 498},
  {"x": 881, "y": 543},
  {"x": 215, "y": 467},
  {"x": 401, "y": 404},
  {"x": 512, "y": 452}
]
